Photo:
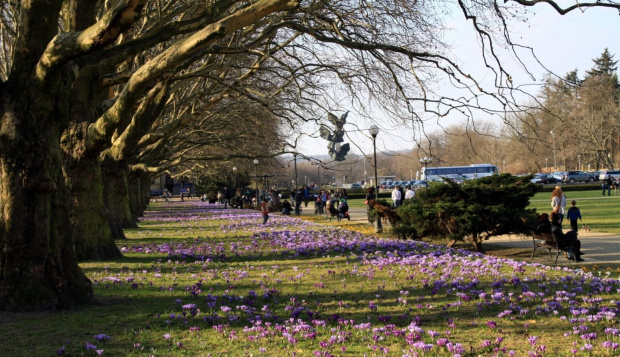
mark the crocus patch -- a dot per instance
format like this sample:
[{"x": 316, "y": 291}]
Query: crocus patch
[{"x": 293, "y": 287}]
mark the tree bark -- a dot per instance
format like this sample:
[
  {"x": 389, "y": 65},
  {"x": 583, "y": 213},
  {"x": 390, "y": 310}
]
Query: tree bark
[
  {"x": 116, "y": 198},
  {"x": 38, "y": 265},
  {"x": 139, "y": 196},
  {"x": 475, "y": 241},
  {"x": 91, "y": 228}
]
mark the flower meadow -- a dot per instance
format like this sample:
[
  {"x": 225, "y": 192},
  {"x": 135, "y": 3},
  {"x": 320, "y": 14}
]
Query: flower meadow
[{"x": 199, "y": 280}]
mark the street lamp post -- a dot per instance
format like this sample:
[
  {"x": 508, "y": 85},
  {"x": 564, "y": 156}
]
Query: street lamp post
[
  {"x": 425, "y": 161},
  {"x": 546, "y": 166},
  {"x": 235, "y": 180},
  {"x": 295, "y": 156},
  {"x": 318, "y": 176},
  {"x": 256, "y": 177},
  {"x": 374, "y": 131},
  {"x": 554, "y": 163},
  {"x": 579, "y": 162}
]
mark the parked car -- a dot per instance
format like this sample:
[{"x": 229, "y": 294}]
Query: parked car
[
  {"x": 419, "y": 184},
  {"x": 596, "y": 174},
  {"x": 458, "y": 179},
  {"x": 577, "y": 176},
  {"x": 559, "y": 176},
  {"x": 615, "y": 174},
  {"x": 356, "y": 185},
  {"x": 544, "y": 179}
]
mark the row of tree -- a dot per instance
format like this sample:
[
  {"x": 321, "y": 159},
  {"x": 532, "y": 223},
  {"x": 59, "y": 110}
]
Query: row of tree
[{"x": 97, "y": 97}]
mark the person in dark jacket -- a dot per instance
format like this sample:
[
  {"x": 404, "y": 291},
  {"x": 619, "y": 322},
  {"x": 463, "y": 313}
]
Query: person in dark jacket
[
  {"x": 299, "y": 196},
  {"x": 565, "y": 240},
  {"x": 607, "y": 185},
  {"x": 573, "y": 215},
  {"x": 544, "y": 225},
  {"x": 286, "y": 207},
  {"x": 370, "y": 196},
  {"x": 226, "y": 196}
]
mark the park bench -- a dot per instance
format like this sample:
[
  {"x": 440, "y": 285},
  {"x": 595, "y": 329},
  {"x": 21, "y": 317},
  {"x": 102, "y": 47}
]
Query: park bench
[{"x": 547, "y": 241}]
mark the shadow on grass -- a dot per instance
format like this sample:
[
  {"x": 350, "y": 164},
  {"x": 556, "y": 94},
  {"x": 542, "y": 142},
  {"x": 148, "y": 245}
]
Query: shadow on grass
[{"x": 130, "y": 317}]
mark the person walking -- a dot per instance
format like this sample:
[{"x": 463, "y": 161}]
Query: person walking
[
  {"x": 306, "y": 195},
  {"x": 410, "y": 193},
  {"x": 264, "y": 209},
  {"x": 324, "y": 199},
  {"x": 298, "y": 198},
  {"x": 370, "y": 197},
  {"x": 607, "y": 185},
  {"x": 573, "y": 214},
  {"x": 558, "y": 202},
  {"x": 396, "y": 197},
  {"x": 226, "y": 196},
  {"x": 344, "y": 195}
]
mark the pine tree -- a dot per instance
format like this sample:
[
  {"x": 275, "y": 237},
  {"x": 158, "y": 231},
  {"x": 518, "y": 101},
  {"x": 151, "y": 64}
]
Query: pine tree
[
  {"x": 573, "y": 78},
  {"x": 605, "y": 66}
]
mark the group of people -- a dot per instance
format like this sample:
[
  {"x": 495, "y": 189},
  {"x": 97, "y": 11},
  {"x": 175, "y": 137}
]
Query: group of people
[
  {"x": 398, "y": 195},
  {"x": 568, "y": 240},
  {"x": 608, "y": 184},
  {"x": 329, "y": 200}
]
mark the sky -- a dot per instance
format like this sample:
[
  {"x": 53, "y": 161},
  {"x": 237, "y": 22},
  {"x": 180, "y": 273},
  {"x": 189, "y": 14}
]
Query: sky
[{"x": 561, "y": 44}]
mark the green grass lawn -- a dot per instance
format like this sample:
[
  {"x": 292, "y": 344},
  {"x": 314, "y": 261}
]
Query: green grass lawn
[
  {"x": 196, "y": 281},
  {"x": 601, "y": 213}
]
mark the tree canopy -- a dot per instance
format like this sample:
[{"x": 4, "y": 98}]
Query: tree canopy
[{"x": 98, "y": 96}]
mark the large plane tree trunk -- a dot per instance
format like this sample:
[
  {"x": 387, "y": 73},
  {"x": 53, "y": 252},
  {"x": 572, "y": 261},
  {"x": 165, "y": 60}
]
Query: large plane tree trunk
[
  {"x": 91, "y": 227},
  {"x": 116, "y": 197},
  {"x": 139, "y": 197},
  {"x": 38, "y": 266}
]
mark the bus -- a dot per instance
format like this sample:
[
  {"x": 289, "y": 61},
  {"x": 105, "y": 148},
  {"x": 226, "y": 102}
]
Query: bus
[{"x": 459, "y": 173}]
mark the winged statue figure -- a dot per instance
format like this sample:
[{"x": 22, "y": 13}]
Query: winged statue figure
[{"x": 335, "y": 136}]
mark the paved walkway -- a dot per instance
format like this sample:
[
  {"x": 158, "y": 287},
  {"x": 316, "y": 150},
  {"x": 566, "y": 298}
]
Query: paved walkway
[{"x": 599, "y": 248}]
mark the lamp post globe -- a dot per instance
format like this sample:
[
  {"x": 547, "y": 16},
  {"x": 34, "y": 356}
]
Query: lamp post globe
[{"x": 425, "y": 161}]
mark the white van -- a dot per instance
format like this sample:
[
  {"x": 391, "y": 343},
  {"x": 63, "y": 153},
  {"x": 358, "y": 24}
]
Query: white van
[{"x": 615, "y": 174}]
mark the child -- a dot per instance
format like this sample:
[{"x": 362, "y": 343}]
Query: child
[
  {"x": 573, "y": 214},
  {"x": 264, "y": 209}
]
